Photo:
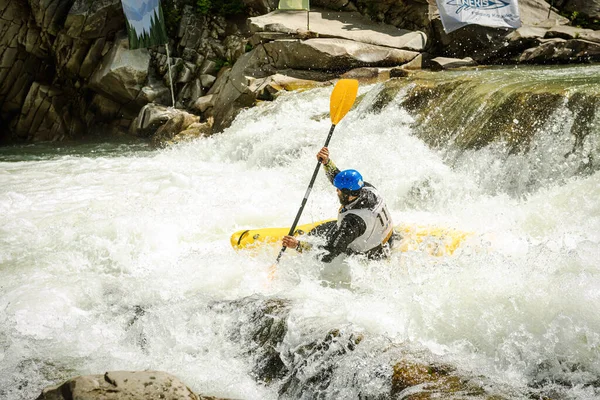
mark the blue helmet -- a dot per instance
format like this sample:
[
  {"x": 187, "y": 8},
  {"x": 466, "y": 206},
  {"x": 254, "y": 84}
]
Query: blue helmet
[{"x": 348, "y": 180}]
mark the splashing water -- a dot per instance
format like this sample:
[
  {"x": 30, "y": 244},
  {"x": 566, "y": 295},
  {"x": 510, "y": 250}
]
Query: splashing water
[{"x": 114, "y": 257}]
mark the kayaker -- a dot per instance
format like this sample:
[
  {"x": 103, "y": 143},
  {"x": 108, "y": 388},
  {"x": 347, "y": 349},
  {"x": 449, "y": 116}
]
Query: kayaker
[{"x": 364, "y": 224}]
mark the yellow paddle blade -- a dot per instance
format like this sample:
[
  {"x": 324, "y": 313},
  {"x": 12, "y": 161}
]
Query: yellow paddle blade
[{"x": 342, "y": 99}]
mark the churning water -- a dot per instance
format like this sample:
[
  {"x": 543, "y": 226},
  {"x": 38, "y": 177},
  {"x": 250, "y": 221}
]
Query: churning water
[{"x": 115, "y": 257}]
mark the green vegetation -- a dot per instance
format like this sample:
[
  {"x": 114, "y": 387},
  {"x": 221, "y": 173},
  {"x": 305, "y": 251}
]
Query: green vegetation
[{"x": 581, "y": 20}]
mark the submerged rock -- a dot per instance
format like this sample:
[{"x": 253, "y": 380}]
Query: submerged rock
[{"x": 118, "y": 385}]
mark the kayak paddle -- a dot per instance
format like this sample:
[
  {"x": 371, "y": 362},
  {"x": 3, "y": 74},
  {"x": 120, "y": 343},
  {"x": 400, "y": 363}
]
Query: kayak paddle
[{"x": 342, "y": 99}]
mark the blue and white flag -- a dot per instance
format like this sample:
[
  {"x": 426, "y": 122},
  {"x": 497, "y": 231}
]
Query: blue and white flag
[
  {"x": 145, "y": 23},
  {"x": 495, "y": 13}
]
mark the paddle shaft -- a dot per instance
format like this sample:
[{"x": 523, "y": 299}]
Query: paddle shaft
[{"x": 310, "y": 185}]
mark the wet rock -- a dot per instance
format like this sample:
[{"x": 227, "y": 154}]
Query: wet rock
[
  {"x": 268, "y": 88},
  {"x": 261, "y": 328},
  {"x": 441, "y": 63},
  {"x": 116, "y": 385},
  {"x": 416, "y": 381},
  {"x": 368, "y": 75},
  {"x": 315, "y": 364}
]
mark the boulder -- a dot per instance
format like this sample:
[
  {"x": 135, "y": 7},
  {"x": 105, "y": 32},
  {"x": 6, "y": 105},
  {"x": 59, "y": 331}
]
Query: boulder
[
  {"x": 150, "y": 118},
  {"x": 313, "y": 54},
  {"x": 94, "y": 19},
  {"x": 590, "y": 8},
  {"x": 268, "y": 88},
  {"x": 41, "y": 117},
  {"x": 561, "y": 51},
  {"x": 207, "y": 80},
  {"x": 486, "y": 44},
  {"x": 122, "y": 72},
  {"x": 572, "y": 32},
  {"x": 330, "y": 24},
  {"x": 441, "y": 63},
  {"x": 333, "y": 54},
  {"x": 116, "y": 385},
  {"x": 260, "y": 7},
  {"x": 368, "y": 75},
  {"x": 203, "y": 103}
]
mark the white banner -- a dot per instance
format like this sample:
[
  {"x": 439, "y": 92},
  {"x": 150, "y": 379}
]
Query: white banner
[{"x": 495, "y": 13}]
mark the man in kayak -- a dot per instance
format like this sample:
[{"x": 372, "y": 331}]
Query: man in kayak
[{"x": 364, "y": 224}]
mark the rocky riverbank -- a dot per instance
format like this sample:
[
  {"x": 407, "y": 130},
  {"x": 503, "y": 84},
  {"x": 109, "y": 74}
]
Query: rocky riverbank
[{"x": 67, "y": 72}]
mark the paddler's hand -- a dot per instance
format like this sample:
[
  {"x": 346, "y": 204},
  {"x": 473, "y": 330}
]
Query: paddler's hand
[
  {"x": 290, "y": 241},
  {"x": 323, "y": 155}
]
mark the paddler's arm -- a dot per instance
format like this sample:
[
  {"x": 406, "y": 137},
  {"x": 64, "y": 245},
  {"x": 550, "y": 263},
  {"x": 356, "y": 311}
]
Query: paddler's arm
[
  {"x": 293, "y": 243},
  {"x": 351, "y": 228},
  {"x": 337, "y": 243},
  {"x": 330, "y": 169}
]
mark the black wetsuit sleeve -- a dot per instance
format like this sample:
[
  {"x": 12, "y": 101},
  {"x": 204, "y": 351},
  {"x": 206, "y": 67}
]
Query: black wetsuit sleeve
[
  {"x": 351, "y": 228},
  {"x": 331, "y": 170}
]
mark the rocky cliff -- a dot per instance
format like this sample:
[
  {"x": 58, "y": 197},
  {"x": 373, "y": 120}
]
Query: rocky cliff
[{"x": 66, "y": 70}]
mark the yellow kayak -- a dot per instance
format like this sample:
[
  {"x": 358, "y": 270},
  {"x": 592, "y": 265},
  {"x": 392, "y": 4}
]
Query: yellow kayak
[{"x": 435, "y": 240}]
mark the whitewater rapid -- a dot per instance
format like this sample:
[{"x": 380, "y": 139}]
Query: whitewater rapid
[{"x": 112, "y": 257}]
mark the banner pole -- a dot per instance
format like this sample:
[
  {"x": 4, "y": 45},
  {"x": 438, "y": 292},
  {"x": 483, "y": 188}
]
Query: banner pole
[{"x": 170, "y": 76}]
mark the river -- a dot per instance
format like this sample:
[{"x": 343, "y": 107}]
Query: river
[{"x": 114, "y": 256}]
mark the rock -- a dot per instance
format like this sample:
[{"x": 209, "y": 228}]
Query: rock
[
  {"x": 260, "y": 7},
  {"x": 571, "y": 32},
  {"x": 399, "y": 73},
  {"x": 441, "y": 63},
  {"x": 312, "y": 54},
  {"x": 207, "y": 80},
  {"x": 94, "y": 19},
  {"x": 41, "y": 118},
  {"x": 209, "y": 67},
  {"x": 591, "y": 8},
  {"x": 562, "y": 51},
  {"x": 150, "y": 118},
  {"x": 192, "y": 132},
  {"x": 527, "y": 32},
  {"x": 335, "y": 24},
  {"x": 203, "y": 103},
  {"x": 122, "y": 73},
  {"x": 178, "y": 122},
  {"x": 116, "y": 385},
  {"x": 418, "y": 380},
  {"x": 486, "y": 44},
  {"x": 416, "y": 63},
  {"x": 368, "y": 75},
  {"x": 49, "y": 15},
  {"x": 190, "y": 92},
  {"x": 222, "y": 78},
  {"x": 333, "y": 54},
  {"x": 267, "y": 88}
]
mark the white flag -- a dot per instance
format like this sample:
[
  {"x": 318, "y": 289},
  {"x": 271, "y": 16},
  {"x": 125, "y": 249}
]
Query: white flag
[
  {"x": 294, "y": 5},
  {"x": 495, "y": 13}
]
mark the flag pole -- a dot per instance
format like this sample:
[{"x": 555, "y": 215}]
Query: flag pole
[
  {"x": 170, "y": 76},
  {"x": 550, "y": 9}
]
